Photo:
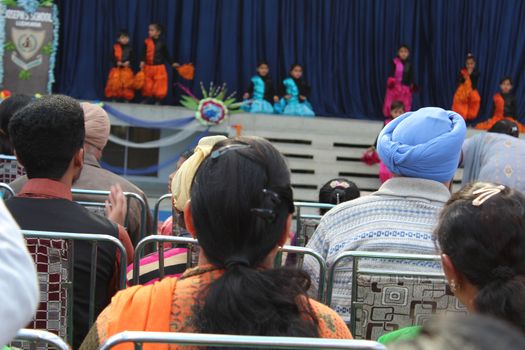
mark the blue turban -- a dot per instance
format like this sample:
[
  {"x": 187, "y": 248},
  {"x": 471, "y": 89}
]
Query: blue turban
[{"x": 424, "y": 144}]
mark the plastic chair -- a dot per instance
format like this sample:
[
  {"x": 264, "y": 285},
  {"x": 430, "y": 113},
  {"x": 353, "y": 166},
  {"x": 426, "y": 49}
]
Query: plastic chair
[
  {"x": 383, "y": 300},
  {"x": 236, "y": 341}
]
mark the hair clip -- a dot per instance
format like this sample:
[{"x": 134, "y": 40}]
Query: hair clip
[
  {"x": 485, "y": 193},
  {"x": 337, "y": 183},
  {"x": 223, "y": 150},
  {"x": 265, "y": 214}
]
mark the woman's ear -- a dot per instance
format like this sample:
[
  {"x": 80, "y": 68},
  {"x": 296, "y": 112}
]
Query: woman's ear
[
  {"x": 286, "y": 232},
  {"x": 188, "y": 219},
  {"x": 450, "y": 270}
]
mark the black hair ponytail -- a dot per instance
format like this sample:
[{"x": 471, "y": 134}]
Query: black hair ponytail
[{"x": 241, "y": 199}]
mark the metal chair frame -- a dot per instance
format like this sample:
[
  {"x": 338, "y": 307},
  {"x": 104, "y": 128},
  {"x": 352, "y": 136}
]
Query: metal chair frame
[
  {"x": 356, "y": 255},
  {"x": 95, "y": 239},
  {"x": 129, "y": 196},
  {"x": 237, "y": 341},
  {"x": 190, "y": 242},
  {"x": 37, "y": 336}
]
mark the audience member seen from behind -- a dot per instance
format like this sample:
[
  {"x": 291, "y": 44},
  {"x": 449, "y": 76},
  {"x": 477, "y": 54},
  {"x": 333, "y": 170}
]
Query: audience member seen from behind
[
  {"x": 167, "y": 226},
  {"x": 241, "y": 209},
  {"x": 463, "y": 332},
  {"x": 175, "y": 259},
  {"x": 495, "y": 156},
  {"x": 48, "y": 137},
  {"x": 18, "y": 280},
  {"x": 422, "y": 150},
  {"x": 480, "y": 234},
  {"x": 8, "y": 108},
  {"x": 337, "y": 191},
  {"x": 94, "y": 177}
]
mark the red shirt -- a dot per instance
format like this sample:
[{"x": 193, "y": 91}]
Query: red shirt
[{"x": 51, "y": 189}]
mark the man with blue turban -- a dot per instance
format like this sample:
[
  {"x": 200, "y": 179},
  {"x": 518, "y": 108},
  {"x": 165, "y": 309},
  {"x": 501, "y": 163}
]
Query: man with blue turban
[{"x": 422, "y": 150}]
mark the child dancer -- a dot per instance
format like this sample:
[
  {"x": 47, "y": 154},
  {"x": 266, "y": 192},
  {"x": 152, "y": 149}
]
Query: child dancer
[
  {"x": 295, "y": 92},
  {"x": 120, "y": 80},
  {"x": 466, "y": 99},
  {"x": 400, "y": 83},
  {"x": 370, "y": 156},
  {"x": 154, "y": 57},
  {"x": 504, "y": 107},
  {"x": 260, "y": 92}
]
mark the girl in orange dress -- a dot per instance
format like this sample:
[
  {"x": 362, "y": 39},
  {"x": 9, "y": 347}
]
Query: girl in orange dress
[
  {"x": 120, "y": 80},
  {"x": 466, "y": 99},
  {"x": 153, "y": 62},
  {"x": 504, "y": 107}
]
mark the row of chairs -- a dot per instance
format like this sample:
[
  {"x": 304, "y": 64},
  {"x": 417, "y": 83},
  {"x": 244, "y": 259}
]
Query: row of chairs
[
  {"x": 368, "y": 286},
  {"x": 7, "y": 192},
  {"x": 37, "y": 338}
]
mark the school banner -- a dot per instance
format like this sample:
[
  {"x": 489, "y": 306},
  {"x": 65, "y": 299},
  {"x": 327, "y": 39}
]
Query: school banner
[{"x": 28, "y": 43}]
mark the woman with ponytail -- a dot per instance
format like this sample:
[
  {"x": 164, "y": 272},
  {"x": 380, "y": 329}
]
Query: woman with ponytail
[
  {"x": 481, "y": 235},
  {"x": 240, "y": 210}
]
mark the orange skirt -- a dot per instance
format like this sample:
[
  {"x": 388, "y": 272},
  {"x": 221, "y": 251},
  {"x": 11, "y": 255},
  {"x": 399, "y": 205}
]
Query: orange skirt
[
  {"x": 120, "y": 83},
  {"x": 155, "y": 81},
  {"x": 486, "y": 125},
  {"x": 466, "y": 102}
]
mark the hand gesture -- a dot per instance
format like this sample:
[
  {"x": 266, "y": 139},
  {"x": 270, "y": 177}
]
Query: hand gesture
[
  {"x": 119, "y": 63},
  {"x": 302, "y": 98},
  {"x": 126, "y": 64},
  {"x": 175, "y": 65},
  {"x": 276, "y": 99},
  {"x": 116, "y": 205},
  {"x": 246, "y": 96},
  {"x": 142, "y": 64}
]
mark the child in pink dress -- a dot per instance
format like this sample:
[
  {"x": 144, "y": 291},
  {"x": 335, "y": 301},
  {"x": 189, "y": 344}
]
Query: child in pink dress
[{"x": 400, "y": 83}]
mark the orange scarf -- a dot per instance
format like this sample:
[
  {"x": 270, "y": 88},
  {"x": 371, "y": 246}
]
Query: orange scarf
[
  {"x": 150, "y": 50},
  {"x": 499, "y": 106},
  {"x": 142, "y": 309},
  {"x": 117, "y": 51}
]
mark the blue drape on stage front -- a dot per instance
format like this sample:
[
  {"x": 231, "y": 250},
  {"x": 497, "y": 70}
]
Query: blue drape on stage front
[{"x": 346, "y": 46}]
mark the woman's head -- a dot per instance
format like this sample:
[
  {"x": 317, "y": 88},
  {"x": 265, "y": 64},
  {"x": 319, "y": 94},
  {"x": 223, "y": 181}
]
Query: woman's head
[
  {"x": 263, "y": 68},
  {"x": 505, "y": 84},
  {"x": 470, "y": 61},
  {"x": 403, "y": 52},
  {"x": 8, "y": 109},
  {"x": 241, "y": 205},
  {"x": 481, "y": 234},
  {"x": 337, "y": 191},
  {"x": 241, "y": 201},
  {"x": 397, "y": 108},
  {"x": 296, "y": 71}
]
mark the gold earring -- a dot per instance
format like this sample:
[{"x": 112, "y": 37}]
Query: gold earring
[{"x": 453, "y": 286}]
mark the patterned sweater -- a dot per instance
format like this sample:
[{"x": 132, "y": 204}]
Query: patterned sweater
[{"x": 399, "y": 218}]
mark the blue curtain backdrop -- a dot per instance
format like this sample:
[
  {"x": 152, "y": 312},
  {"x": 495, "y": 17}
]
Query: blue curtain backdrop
[{"x": 346, "y": 46}]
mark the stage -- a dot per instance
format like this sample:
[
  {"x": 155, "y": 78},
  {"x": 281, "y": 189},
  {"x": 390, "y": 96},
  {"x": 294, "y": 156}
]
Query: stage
[{"x": 317, "y": 149}]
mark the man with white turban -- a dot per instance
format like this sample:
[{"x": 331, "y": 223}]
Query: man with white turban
[{"x": 422, "y": 150}]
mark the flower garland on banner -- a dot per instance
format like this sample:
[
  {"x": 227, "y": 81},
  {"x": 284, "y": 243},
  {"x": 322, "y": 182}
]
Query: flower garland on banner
[{"x": 214, "y": 107}]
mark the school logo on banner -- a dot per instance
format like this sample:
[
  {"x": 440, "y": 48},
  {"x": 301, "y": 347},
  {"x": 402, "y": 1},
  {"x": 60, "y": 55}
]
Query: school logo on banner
[{"x": 30, "y": 37}]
